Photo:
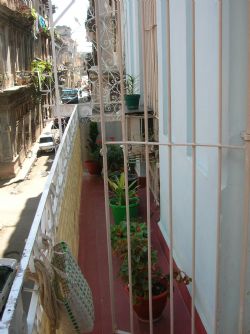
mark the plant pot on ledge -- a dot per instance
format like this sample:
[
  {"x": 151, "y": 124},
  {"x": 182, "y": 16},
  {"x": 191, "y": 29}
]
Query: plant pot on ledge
[
  {"x": 118, "y": 200},
  {"x": 139, "y": 271},
  {"x": 141, "y": 305},
  {"x": 119, "y": 211},
  {"x": 132, "y": 98},
  {"x": 93, "y": 167},
  {"x": 132, "y": 101}
]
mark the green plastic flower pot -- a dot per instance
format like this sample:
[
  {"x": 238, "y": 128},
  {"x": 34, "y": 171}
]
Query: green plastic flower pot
[
  {"x": 119, "y": 211},
  {"x": 132, "y": 101}
]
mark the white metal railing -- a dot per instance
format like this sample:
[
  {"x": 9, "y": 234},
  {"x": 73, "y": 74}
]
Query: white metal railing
[
  {"x": 45, "y": 222},
  {"x": 170, "y": 145}
]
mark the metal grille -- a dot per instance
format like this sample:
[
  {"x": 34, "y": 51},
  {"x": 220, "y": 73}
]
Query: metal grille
[{"x": 192, "y": 146}]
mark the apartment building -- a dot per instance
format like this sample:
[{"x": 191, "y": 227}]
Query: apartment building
[{"x": 24, "y": 36}]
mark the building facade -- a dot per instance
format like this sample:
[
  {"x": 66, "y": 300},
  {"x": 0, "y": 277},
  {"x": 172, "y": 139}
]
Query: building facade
[{"x": 23, "y": 37}]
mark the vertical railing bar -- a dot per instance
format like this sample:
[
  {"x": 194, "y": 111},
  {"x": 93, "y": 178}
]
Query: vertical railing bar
[
  {"x": 245, "y": 237},
  {"x": 147, "y": 165},
  {"x": 246, "y": 214},
  {"x": 105, "y": 165},
  {"x": 219, "y": 198},
  {"x": 124, "y": 139},
  {"x": 193, "y": 168},
  {"x": 170, "y": 176}
]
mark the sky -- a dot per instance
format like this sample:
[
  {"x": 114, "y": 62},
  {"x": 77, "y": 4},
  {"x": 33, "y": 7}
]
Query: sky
[{"x": 74, "y": 18}]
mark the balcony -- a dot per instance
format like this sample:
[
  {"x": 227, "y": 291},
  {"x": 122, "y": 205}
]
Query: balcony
[
  {"x": 72, "y": 209},
  {"x": 93, "y": 260},
  {"x": 18, "y": 11},
  {"x": 15, "y": 5}
]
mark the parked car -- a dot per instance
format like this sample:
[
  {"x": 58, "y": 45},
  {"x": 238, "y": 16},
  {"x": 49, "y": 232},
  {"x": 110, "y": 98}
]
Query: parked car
[
  {"x": 69, "y": 96},
  {"x": 47, "y": 142}
]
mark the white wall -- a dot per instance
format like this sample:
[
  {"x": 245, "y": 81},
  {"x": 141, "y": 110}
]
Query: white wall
[
  {"x": 236, "y": 86},
  {"x": 234, "y": 113}
]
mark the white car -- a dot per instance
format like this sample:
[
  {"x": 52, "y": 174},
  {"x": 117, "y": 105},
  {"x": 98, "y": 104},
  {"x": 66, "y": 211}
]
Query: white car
[{"x": 47, "y": 142}]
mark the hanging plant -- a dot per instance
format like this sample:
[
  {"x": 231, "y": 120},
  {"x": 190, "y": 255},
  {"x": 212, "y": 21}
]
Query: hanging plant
[{"x": 43, "y": 70}]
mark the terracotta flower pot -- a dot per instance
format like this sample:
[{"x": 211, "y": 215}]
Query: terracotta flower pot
[
  {"x": 93, "y": 167},
  {"x": 141, "y": 307}
]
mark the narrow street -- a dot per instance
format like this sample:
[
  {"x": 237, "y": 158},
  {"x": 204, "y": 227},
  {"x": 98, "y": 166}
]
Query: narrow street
[{"x": 18, "y": 204}]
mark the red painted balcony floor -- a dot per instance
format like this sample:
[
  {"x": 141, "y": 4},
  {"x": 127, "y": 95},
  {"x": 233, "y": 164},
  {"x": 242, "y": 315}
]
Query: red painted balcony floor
[{"x": 94, "y": 264}]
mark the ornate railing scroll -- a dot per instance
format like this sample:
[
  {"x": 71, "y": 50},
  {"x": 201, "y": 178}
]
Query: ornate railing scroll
[{"x": 109, "y": 66}]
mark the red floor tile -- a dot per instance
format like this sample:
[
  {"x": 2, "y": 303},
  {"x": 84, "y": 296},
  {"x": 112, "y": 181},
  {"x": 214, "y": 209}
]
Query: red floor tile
[{"x": 94, "y": 264}]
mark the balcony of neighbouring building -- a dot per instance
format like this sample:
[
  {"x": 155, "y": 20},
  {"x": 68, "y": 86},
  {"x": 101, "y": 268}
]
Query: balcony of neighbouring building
[
  {"x": 15, "y": 4},
  {"x": 19, "y": 11}
]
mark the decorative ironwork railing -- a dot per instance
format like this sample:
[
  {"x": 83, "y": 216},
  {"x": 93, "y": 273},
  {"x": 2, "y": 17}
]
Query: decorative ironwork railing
[{"x": 109, "y": 67}]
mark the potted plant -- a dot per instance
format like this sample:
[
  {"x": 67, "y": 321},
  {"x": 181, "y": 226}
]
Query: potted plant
[
  {"x": 94, "y": 165},
  {"x": 132, "y": 98},
  {"x": 139, "y": 267},
  {"x": 42, "y": 77},
  {"x": 115, "y": 159},
  {"x": 118, "y": 234},
  {"x": 118, "y": 200}
]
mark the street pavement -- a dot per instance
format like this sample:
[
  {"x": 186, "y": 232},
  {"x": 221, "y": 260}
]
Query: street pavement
[
  {"x": 18, "y": 204},
  {"x": 19, "y": 198}
]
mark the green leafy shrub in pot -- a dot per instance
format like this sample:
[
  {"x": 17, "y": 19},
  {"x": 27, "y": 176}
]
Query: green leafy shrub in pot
[
  {"x": 132, "y": 97},
  {"x": 119, "y": 235},
  {"x": 117, "y": 187},
  {"x": 118, "y": 199},
  {"x": 115, "y": 158},
  {"x": 139, "y": 267},
  {"x": 94, "y": 165}
]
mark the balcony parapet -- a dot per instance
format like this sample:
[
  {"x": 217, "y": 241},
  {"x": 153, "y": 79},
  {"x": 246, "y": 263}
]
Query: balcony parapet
[
  {"x": 18, "y": 11},
  {"x": 46, "y": 221},
  {"x": 14, "y": 4}
]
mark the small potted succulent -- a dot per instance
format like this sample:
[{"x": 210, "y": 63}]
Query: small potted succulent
[
  {"x": 117, "y": 201},
  {"x": 94, "y": 165},
  {"x": 139, "y": 265},
  {"x": 132, "y": 97}
]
